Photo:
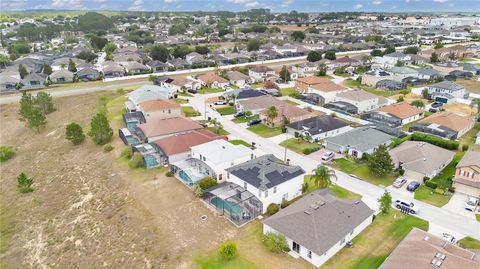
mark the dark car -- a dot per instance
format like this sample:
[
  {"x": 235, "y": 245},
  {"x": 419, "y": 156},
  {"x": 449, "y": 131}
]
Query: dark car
[
  {"x": 253, "y": 122},
  {"x": 433, "y": 110},
  {"x": 238, "y": 114},
  {"x": 437, "y": 104},
  {"x": 412, "y": 186},
  {"x": 192, "y": 91}
]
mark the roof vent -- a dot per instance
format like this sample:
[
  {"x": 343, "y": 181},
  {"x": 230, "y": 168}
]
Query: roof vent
[
  {"x": 315, "y": 206},
  {"x": 357, "y": 202},
  {"x": 308, "y": 212},
  {"x": 322, "y": 203},
  {"x": 440, "y": 256},
  {"x": 426, "y": 238}
]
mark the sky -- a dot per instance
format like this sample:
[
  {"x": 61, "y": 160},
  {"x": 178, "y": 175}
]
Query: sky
[{"x": 239, "y": 5}]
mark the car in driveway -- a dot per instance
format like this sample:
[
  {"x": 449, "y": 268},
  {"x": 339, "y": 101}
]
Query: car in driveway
[
  {"x": 407, "y": 205},
  {"x": 238, "y": 114},
  {"x": 328, "y": 156},
  {"x": 399, "y": 182},
  {"x": 471, "y": 204},
  {"x": 220, "y": 102},
  {"x": 449, "y": 238},
  {"x": 254, "y": 122},
  {"x": 413, "y": 186},
  {"x": 436, "y": 104}
]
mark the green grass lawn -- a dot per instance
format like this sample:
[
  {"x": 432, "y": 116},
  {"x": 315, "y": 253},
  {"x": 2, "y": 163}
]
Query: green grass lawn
[
  {"x": 447, "y": 173},
  {"x": 477, "y": 216},
  {"x": 257, "y": 85},
  {"x": 186, "y": 94},
  {"x": 361, "y": 170},
  {"x": 425, "y": 194},
  {"x": 209, "y": 90},
  {"x": 299, "y": 145},
  {"x": 339, "y": 191},
  {"x": 244, "y": 119},
  {"x": 288, "y": 91},
  {"x": 181, "y": 101},
  {"x": 214, "y": 261},
  {"x": 376, "y": 242},
  {"x": 221, "y": 132},
  {"x": 240, "y": 142},
  {"x": 188, "y": 111},
  {"x": 469, "y": 138},
  {"x": 265, "y": 131},
  {"x": 226, "y": 110},
  {"x": 469, "y": 242},
  {"x": 358, "y": 85}
]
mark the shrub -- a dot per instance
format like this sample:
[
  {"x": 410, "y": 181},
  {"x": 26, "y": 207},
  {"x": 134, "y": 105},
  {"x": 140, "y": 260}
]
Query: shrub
[
  {"x": 464, "y": 147},
  {"x": 6, "y": 153},
  {"x": 425, "y": 179},
  {"x": 206, "y": 183},
  {"x": 74, "y": 133},
  {"x": 296, "y": 134},
  {"x": 120, "y": 90},
  {"x": 197, "y": 190},
  {"x": 228, "y": 251},
  {"x": 136, "y": 161},
  {"x": 24, "y": 183},
  {"x": 437, "y": 141},
  {"x": 431, "y": 184},
  {"x": 272, "y": 209},
  {"x": 127, "y": 153},
  {"x": 310, "y": 150},
  {"x": 451, "y": 189},
  {"x": 107, "y": 147},
  {"x": 169, "y": 174},
  {"x": 275, "y": 242}
]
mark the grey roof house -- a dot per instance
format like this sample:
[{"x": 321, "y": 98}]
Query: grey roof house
[
  {"x": 88, "y": 74},
  {"x": 61, "y": 76},
  {"x": 33, "y": 80},
  {"x": 8, "y": 83},
  {"x": 447, "y": 91},
  {"x": 319, "y": 127}
]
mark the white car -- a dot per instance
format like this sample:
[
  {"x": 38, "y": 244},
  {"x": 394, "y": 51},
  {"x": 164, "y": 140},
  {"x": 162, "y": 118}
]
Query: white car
[
  {"x": 220, "y": 102},
  {"x": 471, "y": 204},
  {"x": 327, "y": 156},
  {"x": 399, "y": 182},
  {"x": 407, "y": 205},
  {"x": 449, "y": 238}
]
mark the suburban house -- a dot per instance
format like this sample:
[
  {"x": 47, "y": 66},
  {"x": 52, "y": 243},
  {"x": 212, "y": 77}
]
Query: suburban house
[
  {"x": 237, "y": 78},
  {"x": 32, "y": 81},
  {"x": 421, "y": 250},
  {"x": 363, "y": 100},
  {"x": 136, "y": 68},
  {"x": 399, "y": 73},
  {"x": 318, "y": 127},
  {"x": 303, "y": 83},
  {"x": 447, "y": 91},
  {"x": 428, "y": 73},
  {"x": 211, "y": 80},
  {"x": 243, "y": 94},
  {"x": 328, "y": 91},
  {"x": 179, "y": 83},
  {"x": 113, "y": 70},
  {"x": 420, "y": 159},
  {"x": 8, "y": 83},
  {"x": 395, "y": 115},
  {"x": 268, "y": 178},
  {"x": 148, "y": 93},
  {"x": 285, "y": 112},
  {"x": 257, "y": 104},
  {"x": 371, "y": 78},
  {"x": 261, "y": 73},
  {"x": 358, "y": 141},
  {"x": 444, "y": 124},
  {"x": 88, "y": 74},
  {"x": 319, "y": 225},
  {"x": 159, "y": 109},
  {"x": 467, "y": 175},
  {"x": 397, "y": 56},
  {"x": 61, "y": 76},
  {"x": 157, "y": 129},
  {"x": 305, "y": 69}
]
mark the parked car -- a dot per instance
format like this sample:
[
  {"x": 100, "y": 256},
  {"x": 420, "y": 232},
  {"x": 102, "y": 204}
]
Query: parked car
[
  {"x": 433, "y": 110},
  {"x": 449, "y": 238},
  {"x": 436, "y": 104},
  {"x": 327, "y": 156},
  {"x": 411, "y": 207},
  {"x": 399, "y": 182},
  {"x": 192, "y": 91},
  {"x": 471, "y": 204},
  {"x": 254, "y": 122},
  {"x": 413, "y": 186},
  {"x": 238, "y": 114},
  {"x": 220, "y": 102}
]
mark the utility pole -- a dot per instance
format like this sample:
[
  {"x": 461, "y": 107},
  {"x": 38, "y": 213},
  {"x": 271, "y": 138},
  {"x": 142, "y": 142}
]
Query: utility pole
[{"x": 285, "y": 155}]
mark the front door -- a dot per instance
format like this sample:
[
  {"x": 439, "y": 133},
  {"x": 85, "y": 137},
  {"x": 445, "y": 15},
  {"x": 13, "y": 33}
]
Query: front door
[{"x": 296, "y": 247}]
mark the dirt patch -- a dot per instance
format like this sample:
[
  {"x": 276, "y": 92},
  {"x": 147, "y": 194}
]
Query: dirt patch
[
  {"x": 472, "y": 85},
  {"x": 291, "y": 27},
  {"x": 461, "y": 109}
]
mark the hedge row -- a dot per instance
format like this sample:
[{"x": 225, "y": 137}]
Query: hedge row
[
  {"x": 431, "y": 184},
  {"x": 437, "y": 141}
]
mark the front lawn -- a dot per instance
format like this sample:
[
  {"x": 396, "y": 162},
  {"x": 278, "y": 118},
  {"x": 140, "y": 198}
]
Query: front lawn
[
  {"x": 358, "y": 85},
  {"x": 181, "y": 101},
  {"x": 209, "y": 90},
  {"x": 186, "y": 94},
  {"x": 220, "y": 132},
  {"x": 226, "y": 110},
  {"x": 265, "y": 131},
  {"x": 446, "y": 175},
  {"x": 376, "y": 242},
  {"x": 469, "y": 138},
  {"x": 425, "y": 194},
  {"x": 289, "y": 92},
  {"x": 300, "y": 145},
  {"x": 189, "y": 111},
  {"x": 241, "y": 142},
  {"x": 257, "y": 85},
  {"x": 339, "y": 191},
  {"x": 214, "y": 261},
  {"x": 244, "y": 119},
  {"x": 361, "y": 170},
  {"x": 470, "y": 243}
]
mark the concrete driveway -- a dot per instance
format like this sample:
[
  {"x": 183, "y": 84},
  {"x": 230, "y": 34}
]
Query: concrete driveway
[
  {"x": 457, "y": 205},
  {"x": 317, "y": 155}
]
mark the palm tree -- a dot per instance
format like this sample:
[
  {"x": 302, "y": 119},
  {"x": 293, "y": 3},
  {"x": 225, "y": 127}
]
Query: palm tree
[
  {"x": 272, "y": 113},
  {"x": 217, "y": 126},
  {"x": 322, "y": 176},
  {"x": 476, "y": 102}
]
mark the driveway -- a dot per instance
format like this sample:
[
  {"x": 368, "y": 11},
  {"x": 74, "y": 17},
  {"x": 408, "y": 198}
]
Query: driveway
[
  {"x": 317, "y": 155},
  {"x": 279, "y": 138},
  {"x": 457, "y": 205}
]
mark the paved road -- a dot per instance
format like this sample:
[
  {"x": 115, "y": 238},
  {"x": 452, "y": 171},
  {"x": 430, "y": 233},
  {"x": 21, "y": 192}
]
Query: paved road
[{"x": 446, "y": 220}]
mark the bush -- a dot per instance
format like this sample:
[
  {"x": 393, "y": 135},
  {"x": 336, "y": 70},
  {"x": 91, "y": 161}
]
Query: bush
[
  {"x": 197, "y": 190},
  {"x": 136, "y": 161},
  {"x": 272, "y": 209},
  {"x": 74, "y": 133},
  {"x": 437, "y": 141},
  {"x": 275, "y": 242},
  {"x": 127, "y": 153},
  {"x": 464, "y": 147},
  {"x": 107, "y": 147},
  {"x": 310, "y": 150},
  {"x": 425, "y": 179},
  {"x": 6, "y": 153},
  {"x": 228, "y": 251},
  {"x": 120, "y": 90},
  {"x": 206, "y": 183},
  {"x": 431, "y": 184},
  {"x": 24, "y": 183},
  {"x": 169, "y": 174}
]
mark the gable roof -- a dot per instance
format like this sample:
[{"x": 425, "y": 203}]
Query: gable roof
[
  {"x": 236, "y": 75},
  {"x": 260, "y": 102},
  {"x": 320, "y": 220},
  {"x": 362, "y": 138},
  {"x": 448, "y": 85},
  {"x": 311, "y": 80},
  {"x": 471, "y": 158},
  {"x": 289, "y": 111},
  {"x": 401, "y": 110},
  {"x": 265, "y": 172},
  {"x": 183, "y": 142},
  {"x": 260, "y": 68},
  {"x": 149, "y": 92},
  {"x": 318, "y": 124},
  {"x": 168, "y": 126},
  {"x": 449, "y": 119},
  {"x": 328, "y": 87},
  {"x": 220, "y": 151},
  {"x": 358, "y": 95},
  {"x": 154, "y": 105},
  {"x": 211, "y": 78}
]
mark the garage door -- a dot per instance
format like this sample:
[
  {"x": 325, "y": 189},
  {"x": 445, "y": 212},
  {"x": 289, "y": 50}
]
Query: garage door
[
  {"x": 413, "y": 175},
  {"x": 441, "y": 100}
]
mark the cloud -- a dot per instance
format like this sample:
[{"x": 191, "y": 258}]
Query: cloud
[
  {"x": 70, "y": 4},
  {"x": 246, "y": 3},
  {"x": 137, "y": 5},
  {"x": 169, "y": 1},
  {"x": 252, "y": 4},
  {"x": 357, "y": 6},
  {"x": 100, "y": 1},
  {"x": 376, "y": 2},
  {"x": 12, "y": 5},
  {"x": 440, "y": 1},
  {"x": 286, "y": 3}
]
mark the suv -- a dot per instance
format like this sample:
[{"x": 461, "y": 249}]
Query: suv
[
  {"x": 436, "y": 104},
  {"x": 398, "y": 183},
  {"x": 471, "y": 204},
  {"x": 327, "y": 156},
  {"x": 413, "y": 186},
  {"x": 253, "y": 122},
  {"x": 411, "y": 207}
]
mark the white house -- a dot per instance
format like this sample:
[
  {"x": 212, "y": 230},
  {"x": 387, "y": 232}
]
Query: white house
[
  {"x": 148, "y": 93},
  {"x": 319, "y": 225},
  {"x": 447, "y": 91},
  {"x": 268, "y": 178},
  {"x": 260, "y": 73},
  {"x": 363, "y": 100}
]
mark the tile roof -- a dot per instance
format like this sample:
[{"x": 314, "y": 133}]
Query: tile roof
[
  {"x": 154, "y": 105},
  {"x": 168, "y": 126},
  {"x": 450, "y": 120},
  {"x": 401, "y": 110},
  {"x": 180, "y": 143}
]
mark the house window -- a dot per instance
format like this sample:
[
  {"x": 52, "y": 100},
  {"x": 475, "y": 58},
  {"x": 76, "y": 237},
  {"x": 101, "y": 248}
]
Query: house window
[
  {"x": 228, "y": 175},
  {"x": 309, "y": 254},
  {"x": 275, "y": 189},
  {"x": 204, "y": 159},
  {"x": 296, "y": 247},
  {"x": 266, "y": 193}
]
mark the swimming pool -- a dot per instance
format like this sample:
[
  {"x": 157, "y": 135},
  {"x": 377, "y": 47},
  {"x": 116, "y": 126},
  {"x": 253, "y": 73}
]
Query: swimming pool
[{"x": 232, "y": 208}]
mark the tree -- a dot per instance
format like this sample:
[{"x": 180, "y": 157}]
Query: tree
[
  {"x": 100, "y": 130},
  {"x": 47, "y": 69},
  {"x": 93, "y": 22},
  {"x": 434, "y": 58},
  {"x": 425, "y": 93},
  {"x": 37, "y": 119},
  {"x": 314, "y": 56},
  {"x": 275, "y": 242},
  {"x": 22, "y": 70},
  {"x": 284, "y": 74},
  {"x": 272, "y": 113},
  {"x": 380, "y": 162},
  {"x": 207, "y": 183},
  {"x": 253, "y": 44},
  {"x": 330, "y": 55},
  {"x": 110, "y": 47},
  {"x": 400, "y": 99},
  {"x": 411, "y": 50},
  {"x": 476, "y": 102},
  {"x": 389, "y": 50},
  {"x": 385, "y": 202},
  {"x": 366, "y": 59},
  {"x": 26, "y": 105},
  {"x": 438, "y": 45},
  {"x": 322, "y": 176},
  {"x": 202, "y": 49},
  {"x": 44, "y": 102},
  {"x": 181, "y": 50},
  {"x": 228, "y": 251},
  {"x": 298, "y": 36},
  {"x": 24, "y": 183},
  {"x": 6, "y": 153},
  {"x": 71, "y": 66},
  {"x": 74, "y": 133},
  {"x": 399, "y": 63},
  {"x": 159, "y": 52},
  {"x": 376, "y": 53},
  {"x": 87, "y": 55},
  {"x": 217, "y": 126},
  {"x": 4, "y": 60},
  {"x": 98, "y": 42},
  {"x": 272, "y": 209},
  {"x": 418, "y": 103},
  {"x": 322, "y": 70}
]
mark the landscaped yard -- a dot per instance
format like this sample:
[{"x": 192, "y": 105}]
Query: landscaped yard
[
  {"x": 288, "y": 91},
  {"x": 226, "y": 110},
  {"x": 339, "y": 191},
  {"x": 376, "y": 242},
  {"x": 265, "y": 131},
  {"x": 214, "y": 261},
  {"x": 424, "y": 193},
  {"x": 257, "y": 85},
  {"x": 209, "y": 90},
  {"x": 220, "y": 132},
  {"x": 358, "y": 85},
  {"x": 469, "y": 243},
  {"x": 360, "y": 169},
  {"x": 244, "y": 119},
  {"x": 185, "y": 94},
  {"x": 181, "y": 101},
  {"x": 300, "y": 145},
  {"x": 240, "y": 142},
  {"x": 189, "y": 111}
]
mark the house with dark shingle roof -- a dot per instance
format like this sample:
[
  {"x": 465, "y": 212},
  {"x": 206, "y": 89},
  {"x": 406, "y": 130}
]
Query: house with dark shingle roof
[
  {"x": 319, "y": 127},
  {"x": 319, "y": 225}
]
